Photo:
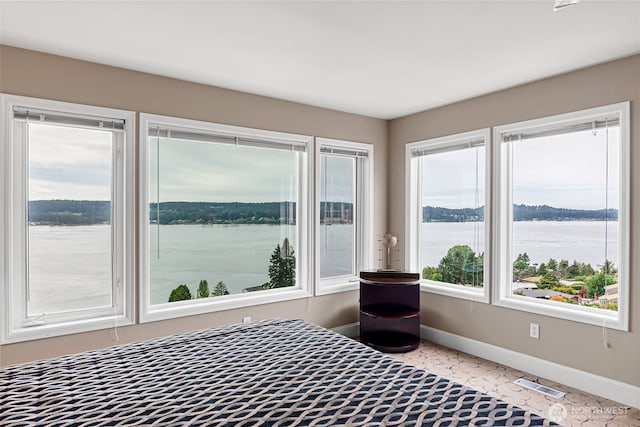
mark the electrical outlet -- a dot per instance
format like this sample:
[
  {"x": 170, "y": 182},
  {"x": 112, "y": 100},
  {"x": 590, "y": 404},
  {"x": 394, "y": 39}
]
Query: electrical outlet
[
  {"x": 534, "y": 330},
  {"x": 246, "y": 319}
]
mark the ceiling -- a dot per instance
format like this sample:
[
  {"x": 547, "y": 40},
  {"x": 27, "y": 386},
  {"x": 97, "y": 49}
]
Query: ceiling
[{"x": 383, "y": 59}]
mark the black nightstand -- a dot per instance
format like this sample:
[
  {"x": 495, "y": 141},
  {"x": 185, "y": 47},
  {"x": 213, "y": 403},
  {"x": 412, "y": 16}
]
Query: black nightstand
[{"x": 390, "y": 310}]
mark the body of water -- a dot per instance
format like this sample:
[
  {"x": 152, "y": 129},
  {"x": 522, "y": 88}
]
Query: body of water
[
  {"x": 582, "y": 241},
  {"x": 70, "y": 266},
  {"x": 237, "y": 255}
]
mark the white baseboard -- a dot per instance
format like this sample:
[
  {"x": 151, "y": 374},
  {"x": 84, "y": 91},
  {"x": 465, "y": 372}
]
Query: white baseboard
[
  {"x": 618, "y": 391},
  {"x": 350, "y": 330}
]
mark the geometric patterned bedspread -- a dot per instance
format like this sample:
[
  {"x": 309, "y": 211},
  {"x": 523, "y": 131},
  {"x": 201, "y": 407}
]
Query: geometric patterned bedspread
[{"x": 269, "y": 373}]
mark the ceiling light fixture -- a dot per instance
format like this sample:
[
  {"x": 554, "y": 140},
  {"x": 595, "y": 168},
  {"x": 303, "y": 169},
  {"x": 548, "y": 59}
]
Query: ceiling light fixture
[{"x": 561, "y": 4}]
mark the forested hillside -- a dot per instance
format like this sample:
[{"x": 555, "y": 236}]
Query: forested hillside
[
  {"x": 520, "y": 213},
  {"x": 86, "y": 212},
  {"x": 69, "y": 212},
  {"x": 222, "y": 212}
]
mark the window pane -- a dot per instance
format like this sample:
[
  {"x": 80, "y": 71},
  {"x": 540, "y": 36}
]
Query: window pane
[
  {"x": 337, "y": 208},
  {"x": 222, "y": 219},
  {"x": 565, "y": 212},
  {"x": 452, "y": 201},
  {"x": 69, "y": 261}
]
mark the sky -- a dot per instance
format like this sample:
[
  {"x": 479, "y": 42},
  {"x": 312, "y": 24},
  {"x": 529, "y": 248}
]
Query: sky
[
  {"x": 195, "y": 171},
  {"x": 449, "y": 179},
  {"x": 337, "y": 179},
  {"x": 75, "y": 163},
  {"x": 71, "y": 163},
  {"x": 565, "y": 171}
]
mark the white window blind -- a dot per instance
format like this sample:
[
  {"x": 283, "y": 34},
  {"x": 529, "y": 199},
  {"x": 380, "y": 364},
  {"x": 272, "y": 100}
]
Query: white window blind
[
  {"x": 427, "y": 151},
  {"x": 57, "y": 118},
  {"x": 222, "y": 138},
  {"x": 341, "y": 151},
  {"x": 560, "y": 129}
]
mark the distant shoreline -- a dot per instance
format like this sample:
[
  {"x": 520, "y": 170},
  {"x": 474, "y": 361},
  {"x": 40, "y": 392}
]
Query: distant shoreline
[
  {"x": 35, "y": 224},
  {"x": 90, "y": 212},
  {"x": 520, "y": 213}
]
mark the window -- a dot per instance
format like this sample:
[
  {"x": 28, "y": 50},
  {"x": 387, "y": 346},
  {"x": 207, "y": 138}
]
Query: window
[
  {"x": 563, "y": 215},
  {"x": 344, "y": 213},
  {"x": 447, "y": 207},
  {"x": 67, "y": 265},
  {"x": 224, "y": 216}
]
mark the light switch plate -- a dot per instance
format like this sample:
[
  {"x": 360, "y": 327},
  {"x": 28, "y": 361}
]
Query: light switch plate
[{"x": 534, "y": 330}]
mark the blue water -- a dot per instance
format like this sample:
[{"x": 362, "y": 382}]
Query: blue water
[
  {"x": 582, "y": 241},
  {"x": 70, "y": 266}
]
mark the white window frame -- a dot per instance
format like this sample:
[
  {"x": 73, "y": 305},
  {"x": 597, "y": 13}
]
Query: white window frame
[
  {"x": 503, "y": 220},
  {"x": 304, "y": 251},
  {"x": 363, "y": 255},
  {"x": 16, "y": 326},
  {"x": 413, "y": 220}
]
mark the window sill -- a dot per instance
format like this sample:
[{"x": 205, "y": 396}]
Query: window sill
[
  {"x": 589, "y": 315},
  {"x": 336, "y": 285},
  {"x": 455, "y": 291},
  {"x": 64, "y": 328},
  {"x": 208, "y": 305}
]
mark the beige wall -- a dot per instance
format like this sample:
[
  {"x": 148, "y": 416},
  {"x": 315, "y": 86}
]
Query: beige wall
[
  {"x": 29, "y": 73},
  {"x": 564, "y": 342},
  {"x": 568, "y": 343}
]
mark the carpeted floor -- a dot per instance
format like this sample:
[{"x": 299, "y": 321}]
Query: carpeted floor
[{"x": 576, "y": 408}]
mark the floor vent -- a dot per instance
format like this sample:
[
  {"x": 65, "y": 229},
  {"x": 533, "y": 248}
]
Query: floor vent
[{"x": 539, "y": 388}]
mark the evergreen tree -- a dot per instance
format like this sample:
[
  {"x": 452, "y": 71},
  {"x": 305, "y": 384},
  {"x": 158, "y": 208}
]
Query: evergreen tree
[
  {"x": 180, "y": 293},
  {"x": 220, "y": 289},
  {"x": 521, "y": 267},
  {"x": 608, "y": 267},
  {"x": 586, "y": 270},
  {"x": 289, "y": 264},
  {"x": 542, "y": 269},
  {"x": 573, "y": 270},
  {"x": 282, "y": 267},
  {"x": 563, "y": 267},
  {"x": 203, "y": 289},
  {"x": 275, "y": 269},
  {"x": 549, "y": 280}
]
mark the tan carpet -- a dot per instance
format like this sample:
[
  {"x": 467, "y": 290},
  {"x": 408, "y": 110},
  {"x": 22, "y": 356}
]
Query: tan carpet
[{"x": 576, "y": 408}]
